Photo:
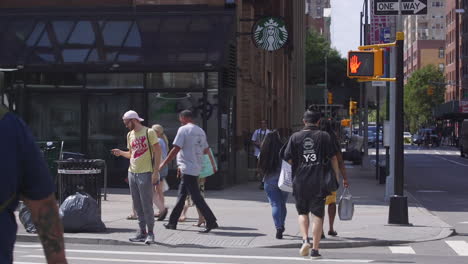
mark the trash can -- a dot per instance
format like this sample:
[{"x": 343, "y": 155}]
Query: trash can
[{"x": 84, "y": 175}]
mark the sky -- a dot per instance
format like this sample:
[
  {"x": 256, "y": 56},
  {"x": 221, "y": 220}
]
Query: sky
[{"x": 345, "y": 25}]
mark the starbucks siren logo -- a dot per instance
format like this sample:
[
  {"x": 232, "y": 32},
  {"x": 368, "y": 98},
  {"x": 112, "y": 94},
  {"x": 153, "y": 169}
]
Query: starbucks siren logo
[{"x": 270, "y": 33}]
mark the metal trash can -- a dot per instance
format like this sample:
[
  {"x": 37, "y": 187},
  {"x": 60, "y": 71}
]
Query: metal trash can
[{"x": 85, "y": 175}]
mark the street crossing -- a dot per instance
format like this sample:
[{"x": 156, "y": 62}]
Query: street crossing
[{"x": 27, "y": 253}]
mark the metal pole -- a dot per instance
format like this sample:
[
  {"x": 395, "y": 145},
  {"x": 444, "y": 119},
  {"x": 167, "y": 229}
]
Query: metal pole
[
  {"x": 377, "y": 135},
  {"x": 398, "y": 213},
  {"x": 326, "y": 82}
]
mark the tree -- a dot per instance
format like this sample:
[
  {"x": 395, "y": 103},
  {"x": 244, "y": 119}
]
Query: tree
[
  {"x": 422, "y": 93},
  {"x": 316, "y": 49}
]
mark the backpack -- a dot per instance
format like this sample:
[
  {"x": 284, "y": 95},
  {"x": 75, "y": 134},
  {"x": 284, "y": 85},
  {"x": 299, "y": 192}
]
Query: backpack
[{"x": 4, "y": 205}]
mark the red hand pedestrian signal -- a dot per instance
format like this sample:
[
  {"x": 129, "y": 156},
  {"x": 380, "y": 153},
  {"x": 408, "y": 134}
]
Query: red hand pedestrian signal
[{"x": 354, "y": 64}]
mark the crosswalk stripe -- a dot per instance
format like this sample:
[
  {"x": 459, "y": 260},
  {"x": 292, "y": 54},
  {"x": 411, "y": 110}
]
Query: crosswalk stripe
[
  {"x": 220, "y": 256},
  {"x": 402, "y": 250},
  {"x": 460, "y": 247},
  {"x": 132, "y": 260}
]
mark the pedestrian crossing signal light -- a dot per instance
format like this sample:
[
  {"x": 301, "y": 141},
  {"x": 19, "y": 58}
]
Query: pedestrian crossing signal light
[
  {"x": 330, "y": 98},
  {"x": 365, "y": 64},
  {"x": 352, "y": 108},
  {"x": 346, "y": 122}
]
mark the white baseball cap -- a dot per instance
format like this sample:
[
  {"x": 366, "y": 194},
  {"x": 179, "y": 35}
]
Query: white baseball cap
[{"x": 132, "y": 115}]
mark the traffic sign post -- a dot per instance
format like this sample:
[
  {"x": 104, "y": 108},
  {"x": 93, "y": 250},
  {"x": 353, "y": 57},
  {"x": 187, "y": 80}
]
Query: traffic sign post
[{"x": 402, "y": 7}]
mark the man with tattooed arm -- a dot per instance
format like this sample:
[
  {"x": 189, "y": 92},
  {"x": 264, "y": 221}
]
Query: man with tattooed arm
[{"x": 25, "y": 176}]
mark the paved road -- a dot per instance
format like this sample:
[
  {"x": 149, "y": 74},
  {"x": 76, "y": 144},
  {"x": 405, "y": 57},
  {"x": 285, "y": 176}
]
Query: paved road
[{"x": 427, "y": 253}]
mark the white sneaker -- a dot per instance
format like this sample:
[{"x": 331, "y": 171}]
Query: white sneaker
[
  {"x": 305, "y": 250},
  {"x": 149, "y": 239}
]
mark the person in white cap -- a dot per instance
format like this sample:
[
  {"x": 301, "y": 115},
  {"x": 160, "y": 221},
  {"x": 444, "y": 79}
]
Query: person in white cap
[{"x": 144, "y": 153}]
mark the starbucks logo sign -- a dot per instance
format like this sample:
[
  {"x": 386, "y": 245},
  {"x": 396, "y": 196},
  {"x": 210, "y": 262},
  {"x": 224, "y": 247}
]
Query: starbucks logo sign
[{"x": 270, "y": 33}]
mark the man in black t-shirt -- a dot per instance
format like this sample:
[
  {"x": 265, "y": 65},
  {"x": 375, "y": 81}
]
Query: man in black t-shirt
[{"x": 309, "y": 151}]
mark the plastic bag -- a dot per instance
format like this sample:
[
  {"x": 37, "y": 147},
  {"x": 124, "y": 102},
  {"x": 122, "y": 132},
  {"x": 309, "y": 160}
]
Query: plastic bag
[
  {"x": 26, "y": 219},
  {"x": 346, "y": 206},
  {"x": 80, "y": 213},
  {"x": 285, "y": 182},
  {"x": 165, "y": 186},
  {"x": 207, "y": 167}
]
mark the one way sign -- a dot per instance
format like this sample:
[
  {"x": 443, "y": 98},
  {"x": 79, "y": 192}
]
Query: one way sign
[{"x": 407, "y": 7}]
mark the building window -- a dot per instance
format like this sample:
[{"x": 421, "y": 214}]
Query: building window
[
  {"x": 441, "y": 67},
  {"x": 319, "y": 11},
  {"x": 441, "y": 52}
]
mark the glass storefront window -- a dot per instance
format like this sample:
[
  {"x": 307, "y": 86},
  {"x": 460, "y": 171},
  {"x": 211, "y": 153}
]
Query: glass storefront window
[
  {"x": 114, "y": 80},
  {"x": 53, "y": 80},
  {"x": 56, "y": 117},
  {"x": 179, "y": 80},
  {"x": 164, "y": 109},
  {"x": 105, "y": 127}
]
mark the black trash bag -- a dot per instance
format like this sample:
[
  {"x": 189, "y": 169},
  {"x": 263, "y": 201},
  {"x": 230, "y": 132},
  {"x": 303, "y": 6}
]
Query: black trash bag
[
  {"x": 80, "y": 213},
  {"x": 26, "y": 219}
]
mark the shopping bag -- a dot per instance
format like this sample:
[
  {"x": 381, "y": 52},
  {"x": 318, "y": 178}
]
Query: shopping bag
[
  {"x": 165, "y": 186},
  {"x": 207, "y": 167},
  {"x": 285, "y": 182},
  {"x": 346, "y": 206}
]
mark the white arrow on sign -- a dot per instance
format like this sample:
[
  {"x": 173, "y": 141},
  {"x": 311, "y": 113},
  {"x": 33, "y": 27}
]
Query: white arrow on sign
[{"x": 416, "y": 6}]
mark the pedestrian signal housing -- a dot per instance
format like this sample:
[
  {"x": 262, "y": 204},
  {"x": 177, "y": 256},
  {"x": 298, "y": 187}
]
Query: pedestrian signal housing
[
  {"x": 365, "y": 64},
  {"x": 352, "y": 108}
]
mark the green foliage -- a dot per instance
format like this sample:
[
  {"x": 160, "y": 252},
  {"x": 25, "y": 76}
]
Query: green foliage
[
  {"x": 316, "y": 49},
  {"x": 417, "y": 102}
]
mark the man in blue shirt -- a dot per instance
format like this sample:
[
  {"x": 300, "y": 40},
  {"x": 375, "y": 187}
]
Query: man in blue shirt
[{"x": 25, "y": 175}]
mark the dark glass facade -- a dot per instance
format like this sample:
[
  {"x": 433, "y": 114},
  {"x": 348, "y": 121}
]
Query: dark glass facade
[{"x": 77, "y": 74}]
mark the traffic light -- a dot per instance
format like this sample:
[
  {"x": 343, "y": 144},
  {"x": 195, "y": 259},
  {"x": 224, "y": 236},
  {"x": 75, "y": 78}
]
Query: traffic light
[
  {"x": 365, "y": 64},
  {"x": 346, "y": 122},
  {"x": 330, "y": 98},
  {"x": 352, "y": 108},
  {"x": 430, "y": 91}
]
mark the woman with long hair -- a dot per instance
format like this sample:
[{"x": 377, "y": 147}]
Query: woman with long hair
[
  {"x": 269, "y": 166},
  {"x": 158, "y": 195},
  {"x": 329, "y": 126}
]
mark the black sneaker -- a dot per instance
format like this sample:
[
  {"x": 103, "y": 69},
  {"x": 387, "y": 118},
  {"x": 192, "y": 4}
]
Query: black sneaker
[
  {"x": 279, "y": 233},
  {"x": 139, "y": 237},
  {"x": 315, "y": 254}
]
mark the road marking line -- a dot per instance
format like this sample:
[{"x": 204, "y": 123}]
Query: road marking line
[
  {"x": 458, "y": 163},
  {"x": 431, "y": 191},
  {"x": 132, "y": 260},
  {"x": 212, "y": 256},
  {"x": 460, "y": 247},
  {"x": 17, "y": 262},
  {"x": 28, "y": 246},
  {"x": 464, "y": 222},
  {"x": 402, "y": 250}
]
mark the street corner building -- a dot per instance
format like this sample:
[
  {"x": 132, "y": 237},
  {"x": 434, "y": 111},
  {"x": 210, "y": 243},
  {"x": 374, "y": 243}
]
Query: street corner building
[{"x": 70, "y": 69}]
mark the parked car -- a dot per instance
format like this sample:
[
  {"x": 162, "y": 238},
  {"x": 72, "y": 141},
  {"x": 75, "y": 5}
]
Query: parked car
[
  {"x": 422, "y": 138},
  {"x": 407, "y": 137},
  {"x": 417, "y": 139},
  {"x": 464, "y": 139}
]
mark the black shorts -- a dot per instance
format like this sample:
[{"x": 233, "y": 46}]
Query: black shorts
[{"x": 315, "y": 205}]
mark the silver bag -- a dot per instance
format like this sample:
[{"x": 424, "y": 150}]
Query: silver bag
[{"x": 346, "y": 206}]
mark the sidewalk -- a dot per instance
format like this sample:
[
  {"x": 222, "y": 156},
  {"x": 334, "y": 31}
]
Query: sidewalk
[{"x": 244, "y": 216}]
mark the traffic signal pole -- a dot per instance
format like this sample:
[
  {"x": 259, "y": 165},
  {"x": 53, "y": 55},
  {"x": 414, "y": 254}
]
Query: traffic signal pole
[{"x": 398, "y": 213}]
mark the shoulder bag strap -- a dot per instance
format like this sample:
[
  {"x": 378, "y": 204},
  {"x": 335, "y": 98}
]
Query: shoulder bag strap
[
  {"x": 4, "y": 205},
  {"x": 150, "y": 149}
]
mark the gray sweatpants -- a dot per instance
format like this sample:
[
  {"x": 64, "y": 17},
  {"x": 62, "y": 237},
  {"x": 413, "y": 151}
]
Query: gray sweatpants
[{"x": 141, "y": 189}]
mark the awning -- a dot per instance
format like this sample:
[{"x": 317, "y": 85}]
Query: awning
[{"x": 188, "y": 40}]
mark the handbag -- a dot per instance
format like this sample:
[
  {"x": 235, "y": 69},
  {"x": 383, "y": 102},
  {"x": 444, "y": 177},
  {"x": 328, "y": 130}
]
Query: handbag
[
  {"x": 285, "y": 182},
  {"x": 207, "y": 167},
  {"x": 346, "y": 206},
  {"x": 330, "y": 183}
]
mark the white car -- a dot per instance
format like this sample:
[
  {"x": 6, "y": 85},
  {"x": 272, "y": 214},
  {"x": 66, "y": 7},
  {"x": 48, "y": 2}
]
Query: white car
[{"x": 407, "y": 137}]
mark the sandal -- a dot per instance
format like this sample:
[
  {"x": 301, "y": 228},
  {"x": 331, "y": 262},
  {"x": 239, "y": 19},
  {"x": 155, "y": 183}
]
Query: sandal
[
  {"x": 182, "y": 219},
  {"x": 132, "y": 217},
  {"x": 200, "y": 223},
  {"x": 332, "y": 233}
]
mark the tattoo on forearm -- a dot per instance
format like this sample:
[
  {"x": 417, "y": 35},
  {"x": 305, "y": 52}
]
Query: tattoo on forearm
[{"x": 50, "y": 228}]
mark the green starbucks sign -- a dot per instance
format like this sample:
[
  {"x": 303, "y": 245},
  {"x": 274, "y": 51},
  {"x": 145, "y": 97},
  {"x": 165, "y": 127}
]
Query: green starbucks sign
[{"x": 270, "y": 33}]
